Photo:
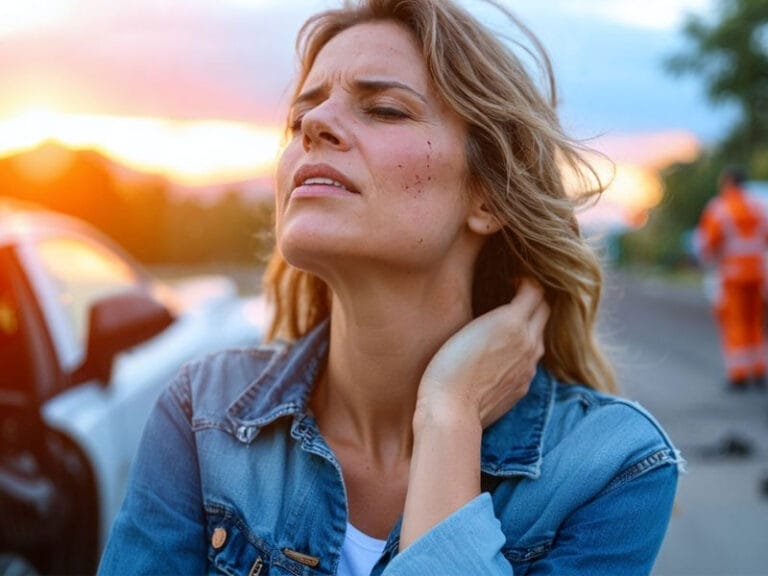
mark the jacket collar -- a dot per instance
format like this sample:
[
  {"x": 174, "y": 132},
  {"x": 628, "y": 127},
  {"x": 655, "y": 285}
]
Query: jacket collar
[
  {"x": 512, "y": 446},
  {"x": 284, "y": 386}
]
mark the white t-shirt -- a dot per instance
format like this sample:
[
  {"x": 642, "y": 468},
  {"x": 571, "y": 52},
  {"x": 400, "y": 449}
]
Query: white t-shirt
[{"x": 359, "y": 553}]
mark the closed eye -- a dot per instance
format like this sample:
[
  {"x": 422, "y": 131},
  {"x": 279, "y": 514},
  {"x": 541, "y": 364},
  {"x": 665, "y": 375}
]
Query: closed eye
[{"x": 387, "y": 113}]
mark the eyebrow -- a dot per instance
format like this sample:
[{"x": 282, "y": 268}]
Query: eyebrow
[{"x": 364, "y": 86}]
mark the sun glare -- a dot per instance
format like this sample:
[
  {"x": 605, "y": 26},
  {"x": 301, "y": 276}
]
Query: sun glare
[
  {"x": 635, "y": 187},
  {"x": 189, "y": 152},
  {"x": 16, "y": 16},
  {"x": 629, "y": 191}
]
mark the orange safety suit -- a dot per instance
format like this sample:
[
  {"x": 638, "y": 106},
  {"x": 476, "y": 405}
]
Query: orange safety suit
[{"x": 733, "y": 234}]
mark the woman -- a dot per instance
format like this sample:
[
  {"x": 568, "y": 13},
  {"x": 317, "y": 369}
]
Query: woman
[{"x": 427, "y": 261}]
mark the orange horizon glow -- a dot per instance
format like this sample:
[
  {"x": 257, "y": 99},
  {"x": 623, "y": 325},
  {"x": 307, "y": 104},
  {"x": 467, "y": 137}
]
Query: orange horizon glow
[
  {"x": 212, "y": 152},
  {"x": 193, "y": 152},
  {"x": 653, "y": 150}
]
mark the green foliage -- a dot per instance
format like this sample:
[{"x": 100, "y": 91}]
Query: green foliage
[
  {"x": 731, "y": 56},
  {"x": 231, "y": 230},
  {"x": 758, "y": 165}
]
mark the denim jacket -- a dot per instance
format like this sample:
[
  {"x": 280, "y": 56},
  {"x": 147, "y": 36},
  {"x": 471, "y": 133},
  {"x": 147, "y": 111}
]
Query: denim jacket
[{"x": 234, "y": 477}]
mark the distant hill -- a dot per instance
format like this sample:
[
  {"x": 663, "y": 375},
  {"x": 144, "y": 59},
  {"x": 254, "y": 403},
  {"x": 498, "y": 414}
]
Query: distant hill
[
  {"x": 81, "y": 183},
  {"x": 155, "y": 219},
  {"x": 43, "y": 173}
]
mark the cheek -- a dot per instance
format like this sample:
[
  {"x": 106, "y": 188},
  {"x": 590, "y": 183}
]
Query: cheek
[
  {"x": 429, "y": 206},
  {"x": 283, "y": 178},
  {"x": 430, "y": 170},
  {"x": 408, "y": 170}
]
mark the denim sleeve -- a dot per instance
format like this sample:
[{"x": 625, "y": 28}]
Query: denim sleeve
[
  {"x": 468, "y": 542},
  {"x": 160, "y": 527},
  {"x": 619, "y": 532}
]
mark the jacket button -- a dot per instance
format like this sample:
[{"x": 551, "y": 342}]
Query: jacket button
[{"x": 219, "y": 537}]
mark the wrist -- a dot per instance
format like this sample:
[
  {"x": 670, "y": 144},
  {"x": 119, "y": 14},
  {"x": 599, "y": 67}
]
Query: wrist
[{"x": 446, "y": 414}]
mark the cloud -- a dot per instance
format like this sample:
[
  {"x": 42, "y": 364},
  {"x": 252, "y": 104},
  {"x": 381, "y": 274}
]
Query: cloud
[
  {"x": 166, "y": 57},
  {"x": 650, "y": 14},
  {"x": 234, "y": 60}
]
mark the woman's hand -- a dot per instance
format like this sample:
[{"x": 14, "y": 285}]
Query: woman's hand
[
  {"x": 472, "y": 380},
  {"x": 487, "y": 366}
]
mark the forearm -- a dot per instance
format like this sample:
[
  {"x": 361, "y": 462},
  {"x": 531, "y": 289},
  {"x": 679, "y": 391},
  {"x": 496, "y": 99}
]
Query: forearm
[{"x": 445, "y": 468}]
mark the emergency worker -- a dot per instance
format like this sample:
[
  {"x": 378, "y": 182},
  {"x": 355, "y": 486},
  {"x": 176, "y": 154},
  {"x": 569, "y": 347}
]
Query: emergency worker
[{"x": 733, "y": 235}]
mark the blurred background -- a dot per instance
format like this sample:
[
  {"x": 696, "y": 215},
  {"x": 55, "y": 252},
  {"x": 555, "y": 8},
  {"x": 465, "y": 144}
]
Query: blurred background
[{"x": 159, "y": 121}]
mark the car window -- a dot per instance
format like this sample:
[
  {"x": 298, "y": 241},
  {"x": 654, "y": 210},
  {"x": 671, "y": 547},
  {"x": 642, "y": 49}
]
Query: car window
[
  {"x": 15, "y": 374},
  {"x": 81, "y": 273}
]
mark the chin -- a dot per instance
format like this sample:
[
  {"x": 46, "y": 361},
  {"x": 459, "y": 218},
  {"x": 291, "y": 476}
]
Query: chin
[{"x": 309, "y": 252}]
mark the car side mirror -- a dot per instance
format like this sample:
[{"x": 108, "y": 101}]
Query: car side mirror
[{"x": 116, "y": 323}]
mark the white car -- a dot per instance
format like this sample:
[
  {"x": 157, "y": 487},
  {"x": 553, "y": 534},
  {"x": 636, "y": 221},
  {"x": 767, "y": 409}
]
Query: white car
[{"x": 87, "y": 342}]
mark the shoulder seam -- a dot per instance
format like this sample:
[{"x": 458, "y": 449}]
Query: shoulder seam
[{"x": 665, "y": 456}]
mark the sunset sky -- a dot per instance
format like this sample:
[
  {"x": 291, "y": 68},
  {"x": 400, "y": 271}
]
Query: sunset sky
[{"x": 196, "y": 89}]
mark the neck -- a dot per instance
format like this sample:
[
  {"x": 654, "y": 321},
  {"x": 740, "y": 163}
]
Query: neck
[{"x": 383, "y": 335}]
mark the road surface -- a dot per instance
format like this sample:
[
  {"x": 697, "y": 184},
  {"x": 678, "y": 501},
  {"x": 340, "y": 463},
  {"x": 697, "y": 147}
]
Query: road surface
[{"x": 664, "y": 344}]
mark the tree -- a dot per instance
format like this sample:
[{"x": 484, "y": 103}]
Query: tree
[
  {"x": 665, "y": 239},
  {"x": 731, "y": 55}
]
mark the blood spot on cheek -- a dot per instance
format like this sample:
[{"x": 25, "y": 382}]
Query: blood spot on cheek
[
  {"x": 418, "y": 184},
  {"x": 429, "y": 160}
]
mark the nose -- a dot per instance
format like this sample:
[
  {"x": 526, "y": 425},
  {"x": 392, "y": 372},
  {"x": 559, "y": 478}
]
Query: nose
[{"x": 324, "y": 126}]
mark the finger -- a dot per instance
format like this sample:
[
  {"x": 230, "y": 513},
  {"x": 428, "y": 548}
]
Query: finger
[
  {"x": 528, "y": 297},
  {"x": 539, "y": 318}
]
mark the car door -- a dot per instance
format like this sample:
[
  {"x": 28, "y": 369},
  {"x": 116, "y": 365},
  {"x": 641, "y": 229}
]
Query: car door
[
  {"x": 29, "y": 502},
  {"x": 69, "y": 272}
]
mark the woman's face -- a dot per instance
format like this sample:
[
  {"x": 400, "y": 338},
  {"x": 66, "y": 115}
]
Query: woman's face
[{"x": 375, "y": 170}]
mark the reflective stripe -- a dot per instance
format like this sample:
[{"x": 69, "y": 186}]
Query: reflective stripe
[{"x": 745, "y": 357}]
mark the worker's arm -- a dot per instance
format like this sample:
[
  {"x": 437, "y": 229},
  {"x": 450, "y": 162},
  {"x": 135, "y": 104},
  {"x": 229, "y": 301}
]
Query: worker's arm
[{"x": 708, "y": 235}]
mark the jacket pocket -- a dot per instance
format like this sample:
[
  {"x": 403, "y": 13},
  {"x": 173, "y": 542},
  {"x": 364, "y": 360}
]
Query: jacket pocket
[{"x": 236, "y": 551}]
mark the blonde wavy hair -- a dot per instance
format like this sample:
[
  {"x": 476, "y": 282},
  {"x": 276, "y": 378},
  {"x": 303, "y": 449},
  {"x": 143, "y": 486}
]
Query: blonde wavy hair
[{"x": 518, "y": 157}]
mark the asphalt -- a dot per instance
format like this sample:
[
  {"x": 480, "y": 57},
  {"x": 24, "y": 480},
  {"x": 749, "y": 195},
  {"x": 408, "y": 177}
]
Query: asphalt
[{"x": 664, "y": 343}]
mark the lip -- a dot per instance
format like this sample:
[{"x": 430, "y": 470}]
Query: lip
[{"x": 321, "y": 171}]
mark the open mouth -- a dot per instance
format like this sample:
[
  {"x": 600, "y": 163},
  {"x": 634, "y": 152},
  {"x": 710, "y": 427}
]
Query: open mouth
[
  {"x": 324, "y": 182},
  {"x": 322, "y": 175}
]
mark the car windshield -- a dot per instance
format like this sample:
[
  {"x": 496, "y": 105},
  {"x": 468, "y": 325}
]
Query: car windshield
[{"x": 82, "y": 272}]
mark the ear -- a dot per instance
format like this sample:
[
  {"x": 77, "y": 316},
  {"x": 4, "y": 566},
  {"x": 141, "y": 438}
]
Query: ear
[{"x": 480, "y": 220}]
